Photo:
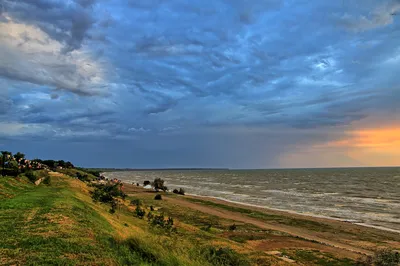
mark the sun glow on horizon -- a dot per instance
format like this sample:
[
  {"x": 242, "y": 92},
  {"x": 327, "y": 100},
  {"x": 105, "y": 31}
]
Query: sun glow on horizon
[
  {"x": 360, "y": 147},
  {"x": 369, "y": 138},
  {"x": 376, "y": 146}
]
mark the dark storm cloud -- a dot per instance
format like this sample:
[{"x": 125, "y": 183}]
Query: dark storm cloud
[
  {"x": 5, "y": 104},
  {"x": 104, "y": 70}
]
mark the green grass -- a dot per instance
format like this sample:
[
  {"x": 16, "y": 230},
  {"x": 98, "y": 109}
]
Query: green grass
[
  {"x": 59, "y": 224},
  {"x": 312, "y": 225},
  {"x": 316, "y": 257},
  {"x": 74, "y": 171},
  {"x": 45, "y": 225},
  {"x": 244, "y": 237}
]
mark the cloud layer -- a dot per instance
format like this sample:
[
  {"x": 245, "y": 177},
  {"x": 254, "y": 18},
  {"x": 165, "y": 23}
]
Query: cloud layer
[{"x": 186, "y": 80}]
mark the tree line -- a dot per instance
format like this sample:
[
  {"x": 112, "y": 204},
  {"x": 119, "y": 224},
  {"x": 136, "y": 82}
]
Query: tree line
[{"x": 14, "y": 164}]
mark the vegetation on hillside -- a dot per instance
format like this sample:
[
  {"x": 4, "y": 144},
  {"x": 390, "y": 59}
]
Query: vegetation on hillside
[
  {"x": 13, "y": 165},
  {"x": 108, "y": 193}
]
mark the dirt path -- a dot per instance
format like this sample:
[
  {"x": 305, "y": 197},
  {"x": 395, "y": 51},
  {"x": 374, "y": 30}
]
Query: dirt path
[{"x": 261, "y": 224}]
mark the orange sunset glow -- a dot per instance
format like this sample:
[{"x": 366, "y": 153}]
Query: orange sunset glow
[
  {"x": 386, "y": 139},
  {"x": 359, "y": 147},
  {"x": 372, "y": 147}
]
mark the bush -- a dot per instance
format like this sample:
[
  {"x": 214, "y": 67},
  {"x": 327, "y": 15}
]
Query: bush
[
  {"x": 11, "y": 172},
  {"x": 47, "y": 180},
  {"x": 158, "y": 197},
  {"x": 223, "y": 257},
  {"x": 181, "y": 191},
  {"x": 159, "y": 221},
  {"x": 136, "y": 202},
  {"x": 83, "y": 177},
  {"x": 96, "y": 173},
  {"x": 232, "y": 227},
  {"x": 169, "y": 223},
  {"x": 158, "y": 184},
  {"x": 106, "y": 193},
  {"x": 147, "y": 182},
  {"x": 386, "y": 257},
  {"x": 140, "y": 212},
  {"x": 31, "y": 176},
  {"x": 207, "y": 228},
  {"x": 114, "y": 205}
]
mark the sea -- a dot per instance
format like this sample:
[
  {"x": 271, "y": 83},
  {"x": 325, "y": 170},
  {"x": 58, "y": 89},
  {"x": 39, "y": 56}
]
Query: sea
[{"x": 365, "y": 196}]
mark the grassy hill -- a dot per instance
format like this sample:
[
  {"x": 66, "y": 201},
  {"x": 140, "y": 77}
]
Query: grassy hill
[{"x": 58, "y": 223}]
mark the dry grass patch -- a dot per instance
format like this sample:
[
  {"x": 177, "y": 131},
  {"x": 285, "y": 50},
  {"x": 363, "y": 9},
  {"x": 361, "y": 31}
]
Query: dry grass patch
[
  {"x": 60, "y": 219},
  {"x": 30, "y": 215}
]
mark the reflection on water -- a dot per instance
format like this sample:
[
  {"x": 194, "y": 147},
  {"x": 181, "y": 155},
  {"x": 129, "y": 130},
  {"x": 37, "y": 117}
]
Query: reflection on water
[{"x": 367, "y": 195}]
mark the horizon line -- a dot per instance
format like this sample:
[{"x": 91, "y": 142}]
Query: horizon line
[{"x": 233, "y": 169}]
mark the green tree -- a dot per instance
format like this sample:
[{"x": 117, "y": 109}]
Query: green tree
[
  {"x": 50, "y": 163},
  {"x": 19, "y": 157},
  {"x": 69, "y": 165},
  {"x": 61, "y": 163},
  {"x": 158, "y": 184},
  {"x": 5, "y": 157},
  {"x": 13, "y": 166}
]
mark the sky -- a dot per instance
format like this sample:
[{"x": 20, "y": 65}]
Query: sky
[{"x": 221, "y": 83}]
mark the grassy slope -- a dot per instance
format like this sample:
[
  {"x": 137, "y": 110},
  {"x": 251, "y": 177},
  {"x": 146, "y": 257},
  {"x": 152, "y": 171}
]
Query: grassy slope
[
  {"x": 60, "y": 224},
  {"x": 50, "y": 224}
]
